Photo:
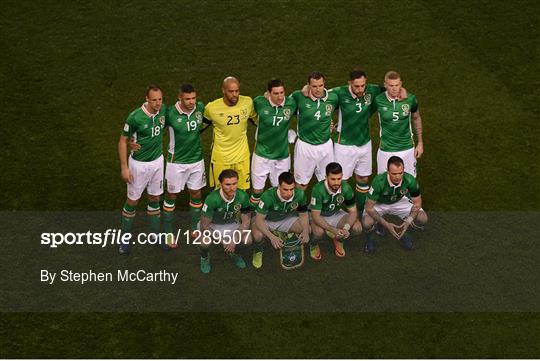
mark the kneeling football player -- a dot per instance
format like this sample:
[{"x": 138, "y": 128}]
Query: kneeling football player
[
  {"x": 222, "y": 210},
  {"x": 280, "y": 209},
  {"x": 389, "y": 195},
  {"x": 333, "y": 211}
]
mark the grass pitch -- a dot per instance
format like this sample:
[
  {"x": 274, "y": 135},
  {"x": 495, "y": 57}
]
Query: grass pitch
[{"x": 72, "y": 71}]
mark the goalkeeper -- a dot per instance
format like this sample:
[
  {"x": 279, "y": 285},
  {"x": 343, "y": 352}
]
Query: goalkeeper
[{"x": 283, "y": 209}]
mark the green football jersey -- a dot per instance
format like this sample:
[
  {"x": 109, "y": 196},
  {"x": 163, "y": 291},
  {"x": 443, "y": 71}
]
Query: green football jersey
[
  {"x": 184, "y": 134},
  {"x": 354, "y": 113},
  {"x": 383, "y": 191},
  {"x": 272, "y": 141},
  {"x": 277, "y": 209},
  {"x": 395, "y": 122},
  {"x": 315, "y": 116},
  {"x": 322, "y": 199},
  {"x": 222, "y": 211},
  {"x": 147, "y": 129}
]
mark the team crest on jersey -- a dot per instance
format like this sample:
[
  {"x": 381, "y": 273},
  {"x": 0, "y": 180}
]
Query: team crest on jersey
[
  {"x": 198, "y": 116},
  {"x": 403, "y": 191},
  {"x": 329, "y": 109},
  {"x": 308, "y": 106},
  {"x": 244, "y": 113},
  {"x": 367, "y": 99},
  {"x": 340, "y": 199},
  {"x": 294, "y": 205},
  {"x": 287, "y": 113},
  {"x": 405, "y": 108},
  {"x": 237, "y": 207},
  {"x": 162, "y": 120}
]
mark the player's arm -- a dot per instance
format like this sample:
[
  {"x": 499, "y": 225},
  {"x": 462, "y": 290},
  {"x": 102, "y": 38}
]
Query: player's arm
[
  {"x": 416, "y": 199},
  {"x": 122, "y": 154},
  {"x": 352, "y": 216},
  {"x": 245, "y": 219},
  {"x": 304, "y": 221},
  {"x": 370, "y": 210},
  {"x": 260, "y": 222},
  {"x": 206, "y": 216},
  {"x": 205, "y": 224},
  {"x": 417, "y": 121},
  {"x": 207, "y": 124},
  {"x": 319, "y": 220}
]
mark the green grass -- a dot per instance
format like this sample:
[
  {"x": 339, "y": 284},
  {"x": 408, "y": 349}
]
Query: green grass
[{"x": 72, "y": 71}]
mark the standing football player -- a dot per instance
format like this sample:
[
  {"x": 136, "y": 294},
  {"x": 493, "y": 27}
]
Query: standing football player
[
  {"x": 144, "y": 169},
  {"x": 229, "y": 116},
  {"x": 396, "y": 126},
  {"x": 314, "y": 148},
  {"x": 185, "y": 163},
  {"x": 271, "y": 156}
]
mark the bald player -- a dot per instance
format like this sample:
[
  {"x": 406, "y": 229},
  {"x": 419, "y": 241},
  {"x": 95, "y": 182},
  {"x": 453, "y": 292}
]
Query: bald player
[{"x": 229, "y": 116}]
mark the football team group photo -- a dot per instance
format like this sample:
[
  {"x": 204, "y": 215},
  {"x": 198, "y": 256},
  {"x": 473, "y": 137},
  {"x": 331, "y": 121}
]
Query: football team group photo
[{"x": 309, "y": 178}]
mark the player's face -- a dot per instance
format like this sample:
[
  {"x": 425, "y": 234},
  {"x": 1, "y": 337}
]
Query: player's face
[
  {"x": 316, "y": 87},
  {"x": 286, "y": 191},
  {"x": 358, "y": 86},
  {"x": 334, "y": 181},
  {"x": 393, "y": 86},
  {"x": 277, "y": 95},
  {"x": 188, "y": 100},
  {"x": 229, "y": 186},
  {"x": 395, "y": 173},
  {"x": 231, "y": 92},
  {"x": 154, "y": 99}
]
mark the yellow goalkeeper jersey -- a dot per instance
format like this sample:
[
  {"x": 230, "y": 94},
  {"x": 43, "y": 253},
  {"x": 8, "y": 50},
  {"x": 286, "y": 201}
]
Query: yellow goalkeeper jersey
[{"x": 230, "y": 144}]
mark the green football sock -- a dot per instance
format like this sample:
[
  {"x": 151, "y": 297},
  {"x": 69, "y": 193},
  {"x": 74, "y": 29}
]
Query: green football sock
[
  {"x": 168, "y": 214},
  {"x": 204, "y": 251},
  {"x": 153, "y": 212},
  {"x": 128, "y": 215},
  {"x": 195, "y": 206},
  {"x": 362, "y": 190},
  {"x": 254, "y": 200}
]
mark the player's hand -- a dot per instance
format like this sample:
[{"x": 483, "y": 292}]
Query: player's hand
[
  {"x": 419, "y": 150},
  {"x": 332, "y": 127},
  {"x": 304, "y": 237},
  {"x": 133, "y": 145},
  {"x": 394, "y": 229},
  {"x": 229, "y": 246},
  {"x": 402, "y": 94},
  {"x": 305, "y": 90},
  {"x": 126, "y": 175},
  {"x": 343, "y": 233},
  {"x": 277, "y": 243},
  {"x": 403, "y": 228}
]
